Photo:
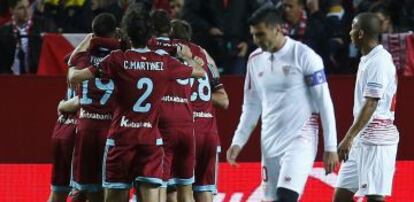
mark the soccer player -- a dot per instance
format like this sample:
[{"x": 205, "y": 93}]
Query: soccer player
[
  {"x": 63, "y": 139},
  {"x": 176, "y": 121},
  {"x": 207, "y": 92},
  {"x": 285, "y": 85},
  {"x": 133, "y": 148},
  {"x": 95, "y": 113},
  {"x": 369, "y": 148}
]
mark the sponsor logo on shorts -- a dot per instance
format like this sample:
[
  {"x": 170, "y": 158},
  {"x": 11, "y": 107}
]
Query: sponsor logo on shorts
[
  {"x": 129, "y": 124},
  {"x": 88, "y": 115},
  {"x": 202, "y": 115}
]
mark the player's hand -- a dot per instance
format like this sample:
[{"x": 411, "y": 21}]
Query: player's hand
[
  {"x": 330, "y": 161},
  {"x": 344, "y": 148},
  {"x": 232, "y": 154}
]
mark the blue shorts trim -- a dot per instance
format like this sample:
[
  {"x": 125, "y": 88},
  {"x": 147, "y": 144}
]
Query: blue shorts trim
[
  {"x": 205, "y": 188},
  {"x": 86, "y": 187},
  {"x": 181, "y": 181},
  {"x": 60, "y": 188},
  {"x": 150, "y": 180},
  {"x": 117, "y": 185}
]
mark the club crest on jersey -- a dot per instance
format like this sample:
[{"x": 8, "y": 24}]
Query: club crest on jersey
[
  {"x": 260, "y": 74},
  {"x": 286, "y": 70}
]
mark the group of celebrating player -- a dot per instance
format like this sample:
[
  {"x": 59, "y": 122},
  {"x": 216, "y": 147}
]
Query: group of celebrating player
[
  {"x": 145, "y": 114},
  {"x": 142, "y": 114}
]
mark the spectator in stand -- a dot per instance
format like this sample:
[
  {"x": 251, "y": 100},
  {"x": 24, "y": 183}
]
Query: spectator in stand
[
  {"x": 108, "y": 6},
  {"x": 70, "y": 16},
  {"x": 221, "y": 27},
  {"x": 4, "y": 12},
  {"x": 338, "y": 22},
  {"x": 307, "y": 28},
  {"x": 20, "y": 40},
  {"x": 386, "y": 18},
  {"x": 176, "y": 8}
]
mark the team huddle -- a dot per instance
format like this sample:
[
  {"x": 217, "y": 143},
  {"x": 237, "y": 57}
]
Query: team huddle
[{"x": 140, "y": 113}]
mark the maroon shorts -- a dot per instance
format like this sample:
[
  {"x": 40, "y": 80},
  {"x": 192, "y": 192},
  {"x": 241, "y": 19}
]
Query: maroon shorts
[
  {"x": 63, "y": 139},
  {"x": 88, "y": 154},
  {"x": 124, "y": 164},
  {"x": 206, "y": 169},
  {"x": 179, "y": 157}
]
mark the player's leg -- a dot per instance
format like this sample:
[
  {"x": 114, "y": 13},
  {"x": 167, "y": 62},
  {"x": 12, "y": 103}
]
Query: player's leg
[
  {"x": 296, "y": 163},
  {"x": 376, "y": 171},
  {"x": 183, "y": 164},
  {"x": 117, "y": 171},
  {"x": 116, "y": 195},
  {"x": 149, "y": 171},
  {"x": 270, "y": 175},
  {"x": 172, "y": 195},
  {"x": 348, "y": 181},
  {"x": 206, "y": 169},
  {"x": 375, "y": 198},
  {"x": 87, "y": 164},
  {"x": 163, "y": 194},
  {"x": 169, "y": 140},
  {"x": 62, "y": 144}
]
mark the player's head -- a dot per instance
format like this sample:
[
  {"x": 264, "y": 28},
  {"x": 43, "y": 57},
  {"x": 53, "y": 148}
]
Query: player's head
[
  {"x": 161, "y": 22},
  {"x": 292, "y": 10},
  {"x": 104, "y": 25},
  {"x": 137, "y": 24},
  {"x": 180, "y": 29},
  {"x": 266, "y": 27},
  {"x": 366, "y": 27},
  {"x": 20, "y": 10},
  {"x": 384, "y": 15}
]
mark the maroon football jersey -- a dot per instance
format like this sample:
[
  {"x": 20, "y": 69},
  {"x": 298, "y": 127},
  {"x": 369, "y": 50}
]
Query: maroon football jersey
[
  {"x": 142, "y": 78},
  {"x": 95, "y": 95},
  {"x": 176, "y": 109}
]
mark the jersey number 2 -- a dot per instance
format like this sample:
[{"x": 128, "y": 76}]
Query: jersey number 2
[{"x": 140, "y": 106}]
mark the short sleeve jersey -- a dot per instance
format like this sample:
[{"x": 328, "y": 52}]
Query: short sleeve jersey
[{"x": 142, "y": 78}]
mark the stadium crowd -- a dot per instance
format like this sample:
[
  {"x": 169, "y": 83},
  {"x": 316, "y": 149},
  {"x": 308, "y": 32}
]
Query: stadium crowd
[{"x": 218, "y": 25}]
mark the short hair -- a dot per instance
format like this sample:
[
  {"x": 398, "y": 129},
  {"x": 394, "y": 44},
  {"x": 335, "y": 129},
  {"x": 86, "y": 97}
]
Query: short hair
[
  {"x": 161, "y": 21},
  {"x": 137, "y": 24},
  {"x": 181, "y": 29},
  {"x": 370, "y": 24},
  {"x": 104, "y": 25},
  {"x": 268, "y": 14}
]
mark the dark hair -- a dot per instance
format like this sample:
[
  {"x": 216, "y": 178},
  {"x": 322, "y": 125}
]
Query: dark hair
[
  {"x": 370, "y": 24},
  {"x": 180, "y": 29},
  {"x": 104, "y": 25},
  {"x": 137, "y": 24},
  {"x": 268, "y": 14},
  {"x": 160, "y": 21},
  {"x": 381, "y": 8},
  {"x": 13, "y": 3}
]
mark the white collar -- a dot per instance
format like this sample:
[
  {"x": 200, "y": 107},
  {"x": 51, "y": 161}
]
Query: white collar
[{"x": 141, "y": 50}]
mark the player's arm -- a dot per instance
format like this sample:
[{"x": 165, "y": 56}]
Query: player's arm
[
  {"x": 185, "y": 53},
  {"x": 251, "y": 111},
  {"x": 82, "y": 47},
  {"x": 76, "y": 76},
  {"x": 69, "y": 106},
  {"x": 361, "y": 121},
  {"x": 319, "y": 90},
  {"x": 220, "y": 98},
  {"x": 219, "y": 95},
  {"x": 373, "y": 92}
]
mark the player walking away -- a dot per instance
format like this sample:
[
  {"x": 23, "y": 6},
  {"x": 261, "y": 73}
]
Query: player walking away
[
  {"x": 95, "y": 113},
  {"x": 285, "y": 85},
  {"x": 133, "y": 148},
  {"x": 176, "y": 121},
  {"x": 63, "y": 139},
  {"x": 369, "y": 147},
  {"x": 206, "y": 92}
]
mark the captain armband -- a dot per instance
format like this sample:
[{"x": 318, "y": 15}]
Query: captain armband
[{"x": 316, "y": 78}]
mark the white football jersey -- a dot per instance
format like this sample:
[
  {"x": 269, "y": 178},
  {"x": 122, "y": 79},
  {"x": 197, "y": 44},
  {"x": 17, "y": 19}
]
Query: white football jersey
[
  {"x": 278, "y": 88},
  {"x": 377, "y": 78}
]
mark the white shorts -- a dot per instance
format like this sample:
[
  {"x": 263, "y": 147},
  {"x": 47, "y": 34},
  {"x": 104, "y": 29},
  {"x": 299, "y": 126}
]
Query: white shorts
[
  {"x": 291, "y": 169},
  {"x": 369, "y": 169}
]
